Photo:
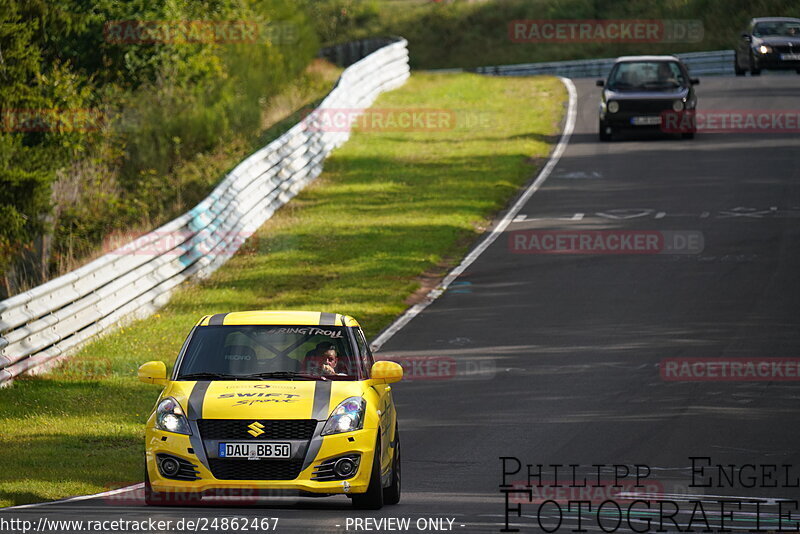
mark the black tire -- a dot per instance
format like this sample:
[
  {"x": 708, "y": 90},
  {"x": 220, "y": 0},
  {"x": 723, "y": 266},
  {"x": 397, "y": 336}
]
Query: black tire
[
  {"x": 158, "y": 498},
  {"x": 391, "y": 495},
  {"x": 739, "y": 71},
  {"x": 753, "y": 70},
  {"x": 604, "y": 136},
  {"x": 687, "y": 135},
  {"x": 372, "y": 499}
]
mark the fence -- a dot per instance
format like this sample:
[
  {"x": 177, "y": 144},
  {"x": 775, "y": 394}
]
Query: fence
[
  {"x": 41, "y": 326},
  {"x": 699, "y": 63}
]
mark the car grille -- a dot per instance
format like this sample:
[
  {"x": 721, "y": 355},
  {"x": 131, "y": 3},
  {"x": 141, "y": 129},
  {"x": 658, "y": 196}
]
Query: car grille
[
  {"x": 786, "y": 49},
  {"x": 645, "y": 106},
  {"x": 244, "y": 469},
  {"x": 273, "y": 428}
]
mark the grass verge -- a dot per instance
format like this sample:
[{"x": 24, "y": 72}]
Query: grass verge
[{"x": 390, "y": 207}]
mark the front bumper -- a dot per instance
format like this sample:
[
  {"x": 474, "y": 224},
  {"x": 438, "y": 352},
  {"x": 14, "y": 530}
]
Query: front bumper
[
  {"x": 361, "y": 442},
  {"x": 773, "y": 61},
  {"x": 665, "y": 121}
]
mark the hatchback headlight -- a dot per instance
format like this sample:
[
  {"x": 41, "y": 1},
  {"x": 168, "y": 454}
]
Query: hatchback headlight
[
  {"x": 764, "y": 49},
  {"x": 347, "y": 417},
  {"x": 677, "y": 105},
  {"x": 613, "y": 106},
  {"x": 170, "y": 417}
]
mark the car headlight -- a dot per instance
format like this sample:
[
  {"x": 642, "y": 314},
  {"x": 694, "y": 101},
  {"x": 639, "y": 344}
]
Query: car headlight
[
  {"x": 347, "y": 417},
  {"x": 677, "y": 105},
  {"x": 170, "y": 417},
  {"x": 613, "y": 106},
  {"x": 764, "y": 49}
]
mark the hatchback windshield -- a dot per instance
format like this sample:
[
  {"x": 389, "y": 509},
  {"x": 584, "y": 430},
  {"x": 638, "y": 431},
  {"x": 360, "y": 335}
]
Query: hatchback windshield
[
  {"x": 646, "y": 76},
  {"x": 271, "y": 353},
  {"x": 777, "y": 29}
]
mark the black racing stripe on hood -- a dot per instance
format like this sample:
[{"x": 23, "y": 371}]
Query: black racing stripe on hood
[
  {"x": 194, "y": 411},
  {"x": 322, "y": 400},
  {"x": 217, "y": 319},
  {"x": 320, "y": 411},
  {"x": 327, "y": 319}
]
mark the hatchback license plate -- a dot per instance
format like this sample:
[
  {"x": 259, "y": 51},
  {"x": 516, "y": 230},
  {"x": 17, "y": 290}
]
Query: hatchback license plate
[
  {"x": 255, "y": 450},
  {"x": 645, "y": 121}
]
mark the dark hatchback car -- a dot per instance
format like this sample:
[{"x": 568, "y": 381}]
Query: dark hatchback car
[
  {"x": 641, "y": 91},
  {"x": 768, "y": 44}
]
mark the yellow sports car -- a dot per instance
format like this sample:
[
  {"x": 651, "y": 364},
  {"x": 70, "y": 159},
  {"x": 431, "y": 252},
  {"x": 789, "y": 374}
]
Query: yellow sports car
[{"x": 273, "y": 403}]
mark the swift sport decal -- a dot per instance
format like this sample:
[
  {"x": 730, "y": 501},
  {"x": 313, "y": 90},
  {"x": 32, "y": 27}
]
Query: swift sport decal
[{"x": 274, "y": 400}]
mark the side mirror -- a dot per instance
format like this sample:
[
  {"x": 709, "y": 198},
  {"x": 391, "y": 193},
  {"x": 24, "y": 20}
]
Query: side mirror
[
  {"x": 386, "y": 372},
  {"x": 153, "y": 373},
  {"x": 694, "y": 81},
  {"x": 600, "y": 83},
  {"x": 746, "y": 37}
]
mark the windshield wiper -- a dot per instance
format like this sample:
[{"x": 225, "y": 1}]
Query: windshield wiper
[
  {"x": 200, "y": 376},
  {"x": 289, "y": 375}
]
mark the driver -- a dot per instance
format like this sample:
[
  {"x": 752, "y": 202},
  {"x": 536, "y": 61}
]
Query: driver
[
  {"x": 665, "y": 74},
  {"x": 326, "y": 358}
]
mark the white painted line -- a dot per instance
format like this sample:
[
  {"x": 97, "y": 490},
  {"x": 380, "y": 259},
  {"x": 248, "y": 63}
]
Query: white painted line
[
  {"x": 75, "y": 499},
  {"x": 697, "y": 497},
  {"x": 416, "y": 309},
  {"x": 661, "y": 214},
  {"x": 519, "y": 218}
]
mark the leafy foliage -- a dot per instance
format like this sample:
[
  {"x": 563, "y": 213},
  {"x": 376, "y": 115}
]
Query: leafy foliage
[{"x": 115, "y": 119}]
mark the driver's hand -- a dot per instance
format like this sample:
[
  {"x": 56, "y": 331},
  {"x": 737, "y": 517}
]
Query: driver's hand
[{"x": 328, "y": 370}]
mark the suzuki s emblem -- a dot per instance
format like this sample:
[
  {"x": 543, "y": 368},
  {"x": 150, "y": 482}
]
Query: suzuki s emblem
[{"x": 256, "y": 429}]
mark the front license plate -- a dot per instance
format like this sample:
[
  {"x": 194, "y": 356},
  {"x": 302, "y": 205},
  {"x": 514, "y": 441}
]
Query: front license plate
[
  {"x": 790, "y": 57},
  {"x": 645, "y": 121},
  {"x": 255, "y": 450}
]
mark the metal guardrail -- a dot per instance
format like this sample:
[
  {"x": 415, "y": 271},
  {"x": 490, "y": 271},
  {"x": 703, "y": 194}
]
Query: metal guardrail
[
  {"x": 699, "y": 63},
  {"x": 40, "y": 327},
  {"x": 345, "y": 54}
]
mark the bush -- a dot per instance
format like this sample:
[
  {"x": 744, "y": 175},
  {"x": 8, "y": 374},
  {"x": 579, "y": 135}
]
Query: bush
[{"x": 162, "y": 104}]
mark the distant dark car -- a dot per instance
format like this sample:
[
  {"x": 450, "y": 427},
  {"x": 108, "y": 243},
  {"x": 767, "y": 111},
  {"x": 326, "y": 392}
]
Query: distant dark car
[
  {"x": 641, "y": 90},
  {"x": 768, "y": 44}
]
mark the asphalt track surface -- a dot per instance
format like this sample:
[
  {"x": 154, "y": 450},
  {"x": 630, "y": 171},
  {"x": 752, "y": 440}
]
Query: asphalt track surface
[{"x": 557, "y": 358}]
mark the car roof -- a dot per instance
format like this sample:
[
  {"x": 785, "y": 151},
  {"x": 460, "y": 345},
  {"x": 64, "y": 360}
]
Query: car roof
[
  {"x": 776, "y": 19},
  {"x": 647, "y": 58},
  {"x": 289, "y": 318}
]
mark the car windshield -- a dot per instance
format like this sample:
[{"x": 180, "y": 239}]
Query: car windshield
[
  {"x": 271, "y": 353},
  {"x": 646, "y": 76},
  {"x": 777, "y": 29}
]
